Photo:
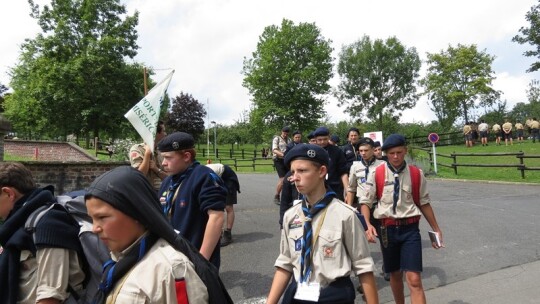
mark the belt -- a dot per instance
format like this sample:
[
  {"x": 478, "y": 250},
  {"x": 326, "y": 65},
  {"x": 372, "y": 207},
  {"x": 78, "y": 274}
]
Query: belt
[{"x": 400, "y": 222}]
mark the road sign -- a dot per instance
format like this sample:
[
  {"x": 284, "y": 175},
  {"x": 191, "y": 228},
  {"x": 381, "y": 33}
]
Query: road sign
[{"x": 433, "y": 138}]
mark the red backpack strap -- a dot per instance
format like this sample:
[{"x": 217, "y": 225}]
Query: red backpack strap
[
  {"x": 380, "y": 176},
  {"x": 415, "y": 180}
]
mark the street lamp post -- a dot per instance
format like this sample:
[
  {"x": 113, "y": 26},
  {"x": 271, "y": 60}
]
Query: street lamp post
[{"x": 215, "y": 143}]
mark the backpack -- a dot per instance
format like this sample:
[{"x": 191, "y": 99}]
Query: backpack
[
  {"x": 380, "y": 176},
  {"x": 95, "y": 252}
]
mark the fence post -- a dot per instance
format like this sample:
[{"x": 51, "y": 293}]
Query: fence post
[
  {"x": 230, "y": 153},
  {"x": 522, "y": 167},
  {"x": 454, "y": 157},
  {"x": 96, "y": 145},
  {"x": 243, "y": 155},
  {"x": 254, "y": 163}
]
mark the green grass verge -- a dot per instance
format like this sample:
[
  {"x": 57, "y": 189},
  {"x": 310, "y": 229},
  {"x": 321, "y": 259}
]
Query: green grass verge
[{"x": 487, "y": 173}]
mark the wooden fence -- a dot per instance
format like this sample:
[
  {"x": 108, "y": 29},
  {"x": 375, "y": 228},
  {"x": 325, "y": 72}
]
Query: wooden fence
[
  {"x": 520, "y": 156},
  {"x": 246, "y": 163}
]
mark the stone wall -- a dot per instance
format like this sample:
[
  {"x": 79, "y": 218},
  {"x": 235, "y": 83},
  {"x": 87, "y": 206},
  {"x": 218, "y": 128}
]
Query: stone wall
[
  {"x": 68, "y": 176},
  {"x": 47, "y": 150}
]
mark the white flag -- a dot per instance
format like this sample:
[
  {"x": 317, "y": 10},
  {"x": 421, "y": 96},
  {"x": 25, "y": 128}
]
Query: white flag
[{"x": 145, "y": 114}]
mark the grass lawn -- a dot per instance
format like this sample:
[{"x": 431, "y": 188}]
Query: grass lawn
[{"x": 488, "y": 173}]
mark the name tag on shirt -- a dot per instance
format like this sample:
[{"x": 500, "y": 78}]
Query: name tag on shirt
[{"x": 308, "y": 292}]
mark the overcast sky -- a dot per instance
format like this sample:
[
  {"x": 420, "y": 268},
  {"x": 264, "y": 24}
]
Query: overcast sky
[{"x": 205, "y": 41}]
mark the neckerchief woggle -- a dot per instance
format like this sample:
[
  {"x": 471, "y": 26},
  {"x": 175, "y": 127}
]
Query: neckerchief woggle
[{"x": 307, "y": 238}]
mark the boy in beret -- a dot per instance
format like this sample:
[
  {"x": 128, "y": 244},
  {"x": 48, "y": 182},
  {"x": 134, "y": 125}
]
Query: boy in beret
[
  {"x": 398, "y": 216},
  {"x": 193, "y": 196},
  {"x": 322, "y": 240},
  {"x": 360, "y": 170}
]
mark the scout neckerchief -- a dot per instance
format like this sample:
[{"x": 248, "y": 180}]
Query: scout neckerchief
[
  {"x": 114, "y": 271},
  {"x": 367, "y": 165},
  {"x": 307, "y": 239},
  {"x": 173, "y": 190},
  {"x": 396, "y": 182}
]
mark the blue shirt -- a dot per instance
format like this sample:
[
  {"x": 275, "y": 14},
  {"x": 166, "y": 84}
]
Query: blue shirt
[{"x": 200, "y": 190}]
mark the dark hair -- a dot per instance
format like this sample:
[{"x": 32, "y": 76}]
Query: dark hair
[
  {"x": 353, "y": 129},
  {"x": 16, "y": 175},
  {"x": 160, "y": 126}
]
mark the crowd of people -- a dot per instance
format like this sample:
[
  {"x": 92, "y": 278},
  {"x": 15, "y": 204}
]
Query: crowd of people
[
  {"x": 506, "y": 131},
  {"x": 165, "y": 217}
]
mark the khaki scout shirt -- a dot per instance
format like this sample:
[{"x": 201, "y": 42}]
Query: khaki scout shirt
[
  {"x": 152, "y": 279},
  {"x": 507, "y": 127},
  {"x": 405, "y": 205},
  {"x": 47, "y": 275},
  {"x": 136, "y": 156},
  {"x": 280, "y": 143},
  {"x": 358, "y": 178},
  {"x": 496, "y": 128},
  {"x": 535, "y": 124},
  {"x": 519, "y": 126},
  {"x": 341, "y": 248},
  {"x": 467, "y": 129}
]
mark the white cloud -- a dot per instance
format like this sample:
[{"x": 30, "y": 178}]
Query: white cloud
[{"x": 206, "y": 41}]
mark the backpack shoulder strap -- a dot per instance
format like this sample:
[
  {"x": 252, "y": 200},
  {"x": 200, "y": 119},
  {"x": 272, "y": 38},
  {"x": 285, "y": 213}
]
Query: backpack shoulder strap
[
  {"x": 380, "y": 176},
  {"x": 35, "y": 217},
  {"x": 415, "y": 180}
]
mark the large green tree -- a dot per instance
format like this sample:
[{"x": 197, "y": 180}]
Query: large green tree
[
  {"x": 288, "y": 76},
  {"x": 531, "y": 35},
  {"x": 377, "y": 78},
  {"x": 74, "y": 73},
  {"x": 186, "y": 115},
  {"x": 3, "y": 89},
  {"x": 458, "y": 80}
]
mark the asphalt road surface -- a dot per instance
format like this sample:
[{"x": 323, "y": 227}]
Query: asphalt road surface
[{"x": 486, "y": 227}]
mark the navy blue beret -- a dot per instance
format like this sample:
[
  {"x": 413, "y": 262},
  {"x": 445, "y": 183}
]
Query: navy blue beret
[
  {"x": 286, "y": 129},
  {"x": 394, "y": 140},
  {"x": 176, "y": 141},
  {"x": 308, "y": 152},
  {"x": 297, "y": 132},
  {"x": 311, "y": 135},
  {"x": 321, "y": 131},
  {"x": 366, "y": 141},
  {"x": 334, "y": 138}
]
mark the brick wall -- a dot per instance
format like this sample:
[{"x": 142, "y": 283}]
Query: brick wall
[
  {"x": 47, "y": 150},
  {"x": 68, "y": 176}
]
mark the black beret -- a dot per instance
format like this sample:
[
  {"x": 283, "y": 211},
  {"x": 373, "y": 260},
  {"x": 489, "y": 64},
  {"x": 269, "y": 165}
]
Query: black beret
[
  {"x": 366, "y": 141},
  {"x": 297, "y": 132},
  {"x": 321, "y": 131},
  {"x": 176, "y": 141},
  {"x": 334, "y": 138},
  {"x": 376, "y": 144},
  {"x": 286, "y": 129},
  {"x": 311, "y": 135},
  {"x": 309, "y": 152},
  {"x": 394, "y": 140}
]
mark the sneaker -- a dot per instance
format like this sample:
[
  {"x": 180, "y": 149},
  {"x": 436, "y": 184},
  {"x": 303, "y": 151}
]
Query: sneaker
[
  {"x": 226, "y": 238},
  {"x": 276, "y": 199}
]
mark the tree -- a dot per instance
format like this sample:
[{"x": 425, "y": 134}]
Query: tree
[
  {"x": 186, "y": 115},
  {"x": 531, "y": 35},
  {"x": 288, "y": 75},
  {"x": 377, "y": 78},
  {"x": 3, "y": 89},
  {"x": 459, "y": 80},
  {"x": 75, "y": 69}
]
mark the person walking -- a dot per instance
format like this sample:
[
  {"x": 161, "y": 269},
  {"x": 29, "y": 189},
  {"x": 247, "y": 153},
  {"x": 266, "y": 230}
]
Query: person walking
[
  {"x": 279, "y": 147},
  {"x": 193, "y": 196},
  {"x": 398, "y": 215},
  {"x": 322, "y": 240}
]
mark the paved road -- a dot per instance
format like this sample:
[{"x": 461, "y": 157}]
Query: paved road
[{"x": 487, "y": 227}]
